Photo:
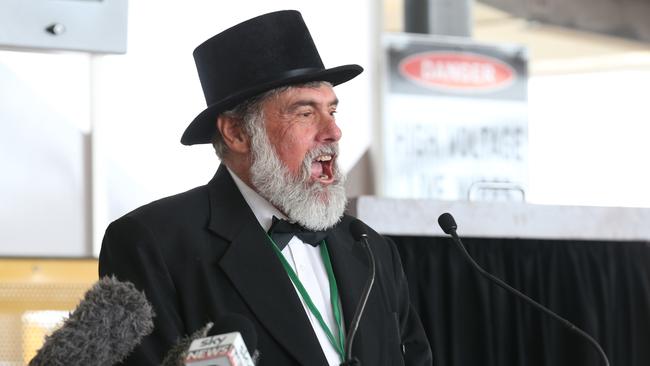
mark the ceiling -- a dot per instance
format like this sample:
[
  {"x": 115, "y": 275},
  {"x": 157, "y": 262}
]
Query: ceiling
[
  {"x": 623, "y": 18},
  {"x": 553, "y": 49}
]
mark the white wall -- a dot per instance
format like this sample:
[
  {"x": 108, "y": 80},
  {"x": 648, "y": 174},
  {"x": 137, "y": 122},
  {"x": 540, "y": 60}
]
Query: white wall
[
  {"x": 44, "y": 122},
  {"x": 590, "y": 139}
]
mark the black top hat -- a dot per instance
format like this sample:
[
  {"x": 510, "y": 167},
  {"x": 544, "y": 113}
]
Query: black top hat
[{"x": 255, "y": 56}]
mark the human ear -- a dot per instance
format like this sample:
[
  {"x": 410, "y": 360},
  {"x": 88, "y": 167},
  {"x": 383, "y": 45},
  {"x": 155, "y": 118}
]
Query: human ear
[{"x": 233, "y": 134}]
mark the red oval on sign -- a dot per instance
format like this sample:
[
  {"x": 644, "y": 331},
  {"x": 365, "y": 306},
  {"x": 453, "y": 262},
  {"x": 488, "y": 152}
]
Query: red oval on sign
[{"x": 457, "y": 71}]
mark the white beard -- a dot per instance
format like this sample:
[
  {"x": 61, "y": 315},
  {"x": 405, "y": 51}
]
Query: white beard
[{"x": 312, "y": 205}]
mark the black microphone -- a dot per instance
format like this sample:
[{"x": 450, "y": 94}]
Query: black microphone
[
  {"x": 359, "y": 233},
  {"x": 228, "y": 323},
  {"x": 448, "y": 225},
  {"x": 107, "y": 324}
]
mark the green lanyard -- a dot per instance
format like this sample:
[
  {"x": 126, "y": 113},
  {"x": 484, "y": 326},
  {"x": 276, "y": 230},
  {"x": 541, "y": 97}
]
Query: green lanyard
[{"x": 334, "y": 296}]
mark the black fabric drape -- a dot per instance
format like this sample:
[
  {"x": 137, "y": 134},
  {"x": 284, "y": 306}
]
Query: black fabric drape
[{"x": 602, "y": 287}]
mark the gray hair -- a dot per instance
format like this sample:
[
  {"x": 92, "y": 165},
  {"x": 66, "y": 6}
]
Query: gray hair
[{"x": 250, "y": 116}]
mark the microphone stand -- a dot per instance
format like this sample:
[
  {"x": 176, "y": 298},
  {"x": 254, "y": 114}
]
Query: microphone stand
[
  {"x": 359, "y": 233},
  {"x": 448, "y": 225}
]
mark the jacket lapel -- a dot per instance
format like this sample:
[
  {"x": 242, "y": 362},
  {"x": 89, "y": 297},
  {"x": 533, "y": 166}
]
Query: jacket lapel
[{"x": 257, "y": 274}]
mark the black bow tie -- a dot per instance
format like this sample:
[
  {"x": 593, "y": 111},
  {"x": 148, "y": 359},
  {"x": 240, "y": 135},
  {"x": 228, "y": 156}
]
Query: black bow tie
[{"x": 282, "y": 231}]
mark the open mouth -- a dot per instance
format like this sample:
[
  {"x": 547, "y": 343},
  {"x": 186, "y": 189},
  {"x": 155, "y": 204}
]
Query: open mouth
[{"x": 322, "y": 168}]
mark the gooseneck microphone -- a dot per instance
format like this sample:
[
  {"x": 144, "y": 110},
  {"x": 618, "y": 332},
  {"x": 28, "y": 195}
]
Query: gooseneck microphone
[
  {"x": 359, "y": 233},
  {"x": 107, "y": 324},
  {"x": 448, "y": 225}
]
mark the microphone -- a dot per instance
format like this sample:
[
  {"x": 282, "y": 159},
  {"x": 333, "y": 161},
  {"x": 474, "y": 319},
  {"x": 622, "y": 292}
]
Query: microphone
[
  {"x": 448, "y": 225},
  {"x": 224, "y": 343},
  {"x": 107, "y": 324},
  {"x": 176, "y": 355},
  {"x": 359, "y": 233},
  {"x": 226, "y": 349},
  {"x": 233, "y": 322}
]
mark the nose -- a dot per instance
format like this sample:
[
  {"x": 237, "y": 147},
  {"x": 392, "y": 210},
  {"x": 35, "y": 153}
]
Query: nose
[{"x": 330, "y": 131}]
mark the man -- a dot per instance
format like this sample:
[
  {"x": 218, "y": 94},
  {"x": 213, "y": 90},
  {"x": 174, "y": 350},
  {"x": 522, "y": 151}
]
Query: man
[{"x": 205, "y": 253}]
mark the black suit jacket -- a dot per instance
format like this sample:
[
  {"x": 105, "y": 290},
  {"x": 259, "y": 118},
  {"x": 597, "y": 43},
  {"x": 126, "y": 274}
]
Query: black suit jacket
[{"x": 201, "y": 254}]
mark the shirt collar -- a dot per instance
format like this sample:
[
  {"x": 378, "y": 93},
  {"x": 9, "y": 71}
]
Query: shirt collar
[{"x": 262, "y": 209}]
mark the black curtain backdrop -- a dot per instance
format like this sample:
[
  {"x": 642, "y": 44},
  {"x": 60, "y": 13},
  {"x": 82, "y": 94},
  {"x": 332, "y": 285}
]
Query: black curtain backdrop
[{"x": 602, "y": 287}]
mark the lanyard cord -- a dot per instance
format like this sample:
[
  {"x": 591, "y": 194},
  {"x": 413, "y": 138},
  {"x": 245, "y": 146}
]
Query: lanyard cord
[{"x": 334, "y": 296}]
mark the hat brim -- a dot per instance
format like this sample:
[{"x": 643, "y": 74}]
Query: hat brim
[{"x": 204, "y": 126}]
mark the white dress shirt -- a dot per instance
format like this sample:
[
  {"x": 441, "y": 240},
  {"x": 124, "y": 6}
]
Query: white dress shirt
[{"x": 306, "y": 261}]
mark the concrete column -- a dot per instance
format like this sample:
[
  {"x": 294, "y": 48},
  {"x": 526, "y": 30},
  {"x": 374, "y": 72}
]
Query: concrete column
[{"x": 442, "y": 17}]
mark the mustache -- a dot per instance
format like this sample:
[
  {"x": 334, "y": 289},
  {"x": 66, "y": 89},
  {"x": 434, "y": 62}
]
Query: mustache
[{"x": 331, "y": 149}]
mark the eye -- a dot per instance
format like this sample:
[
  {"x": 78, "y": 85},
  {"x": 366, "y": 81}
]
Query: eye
[{"x": 304, "y": 112}]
